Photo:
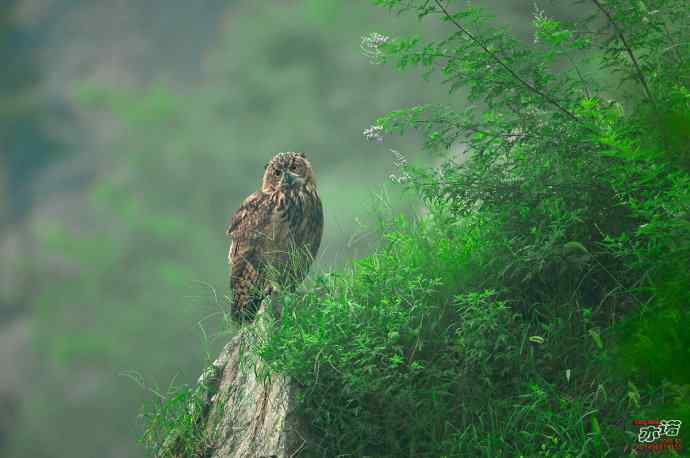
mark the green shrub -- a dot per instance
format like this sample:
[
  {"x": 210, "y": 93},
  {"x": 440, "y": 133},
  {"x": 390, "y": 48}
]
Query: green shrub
[{"x": 521, "y": 316}]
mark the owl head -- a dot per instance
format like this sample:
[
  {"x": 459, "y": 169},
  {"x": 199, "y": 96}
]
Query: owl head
[{"x": 287, "y": 172}]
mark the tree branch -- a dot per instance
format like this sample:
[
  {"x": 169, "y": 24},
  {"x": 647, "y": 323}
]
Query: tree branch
[{"x": 628, "y": 49}]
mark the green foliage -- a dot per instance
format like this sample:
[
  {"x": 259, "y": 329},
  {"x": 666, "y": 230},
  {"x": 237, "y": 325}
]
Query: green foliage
[
  {"x": 372, "y": 344},
  {"x": 175, "y": 423},
  {"x": 542, "y": 303},
  {"x": 406, "y": 355}
]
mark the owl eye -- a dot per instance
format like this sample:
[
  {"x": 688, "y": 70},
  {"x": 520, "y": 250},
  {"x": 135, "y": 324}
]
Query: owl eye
[{"x": 293, "y": 167}]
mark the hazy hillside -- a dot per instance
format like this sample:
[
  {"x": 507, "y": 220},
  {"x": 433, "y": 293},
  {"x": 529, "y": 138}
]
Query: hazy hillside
[{"x": 130, "y": 132}]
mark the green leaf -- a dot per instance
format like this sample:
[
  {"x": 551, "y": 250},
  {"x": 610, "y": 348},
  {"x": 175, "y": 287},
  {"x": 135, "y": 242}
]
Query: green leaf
[
  {"x": 573, "y": 245},
  {"x": 596, "y": 338},
  {"x": 596, "y": 431}
]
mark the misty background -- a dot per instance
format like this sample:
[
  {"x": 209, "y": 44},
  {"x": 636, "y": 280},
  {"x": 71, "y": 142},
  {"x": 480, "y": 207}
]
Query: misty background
[{"x": 129, "y": 133}]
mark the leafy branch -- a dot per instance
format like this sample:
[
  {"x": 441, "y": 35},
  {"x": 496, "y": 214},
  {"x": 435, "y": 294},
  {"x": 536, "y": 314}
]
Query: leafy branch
[
  {"x": 506, "y": 67},
  {"x": 628, "y": 49}
]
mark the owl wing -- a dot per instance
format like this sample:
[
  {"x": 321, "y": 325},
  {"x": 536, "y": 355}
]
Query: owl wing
[
  {"x": 246, "y": 227},
  {"x": 316, "y": 228},
  {"x": 248, "y": 207}
]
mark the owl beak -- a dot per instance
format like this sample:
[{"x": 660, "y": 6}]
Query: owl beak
[{"x": 288, "y": 180}]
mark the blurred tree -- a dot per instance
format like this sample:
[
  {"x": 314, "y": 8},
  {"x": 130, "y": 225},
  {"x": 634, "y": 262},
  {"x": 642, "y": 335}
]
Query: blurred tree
[
  {"x": 6, "y": 111},
  {"x": 25, "y": 143},
  {"x": 3, "y": 189},
  {"x": 21, "y": 132}
]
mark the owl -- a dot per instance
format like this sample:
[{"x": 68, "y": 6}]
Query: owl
[{"x": 275, "y": 233}]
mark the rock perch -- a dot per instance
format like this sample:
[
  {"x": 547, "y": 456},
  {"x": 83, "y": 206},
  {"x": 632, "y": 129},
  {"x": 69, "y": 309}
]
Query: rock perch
[{"x": 246, "y": 412}]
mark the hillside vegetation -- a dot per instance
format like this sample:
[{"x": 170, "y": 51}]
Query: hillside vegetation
[{"x": 541, "y": 304}]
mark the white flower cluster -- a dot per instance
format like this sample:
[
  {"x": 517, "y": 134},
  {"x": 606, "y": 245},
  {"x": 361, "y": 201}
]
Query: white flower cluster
[
  {"x": 374, "y": 134},
  {"x": 370, "y": 46},
  {"x": 539, "y": 18},
  {"x": 400, "y": 162}
]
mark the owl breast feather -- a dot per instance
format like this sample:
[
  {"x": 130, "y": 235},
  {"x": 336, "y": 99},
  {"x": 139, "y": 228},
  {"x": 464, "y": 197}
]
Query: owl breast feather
[{"x": 298, "y": 220}]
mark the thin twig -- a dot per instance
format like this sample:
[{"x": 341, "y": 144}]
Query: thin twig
[
  {"x": 628, "y": 49},
  {"x": 579, "y": 74},
  {"x": 673, "y": 46}
]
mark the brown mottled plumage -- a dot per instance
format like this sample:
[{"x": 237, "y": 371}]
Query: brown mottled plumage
[{"x": 276, "y": 232}]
